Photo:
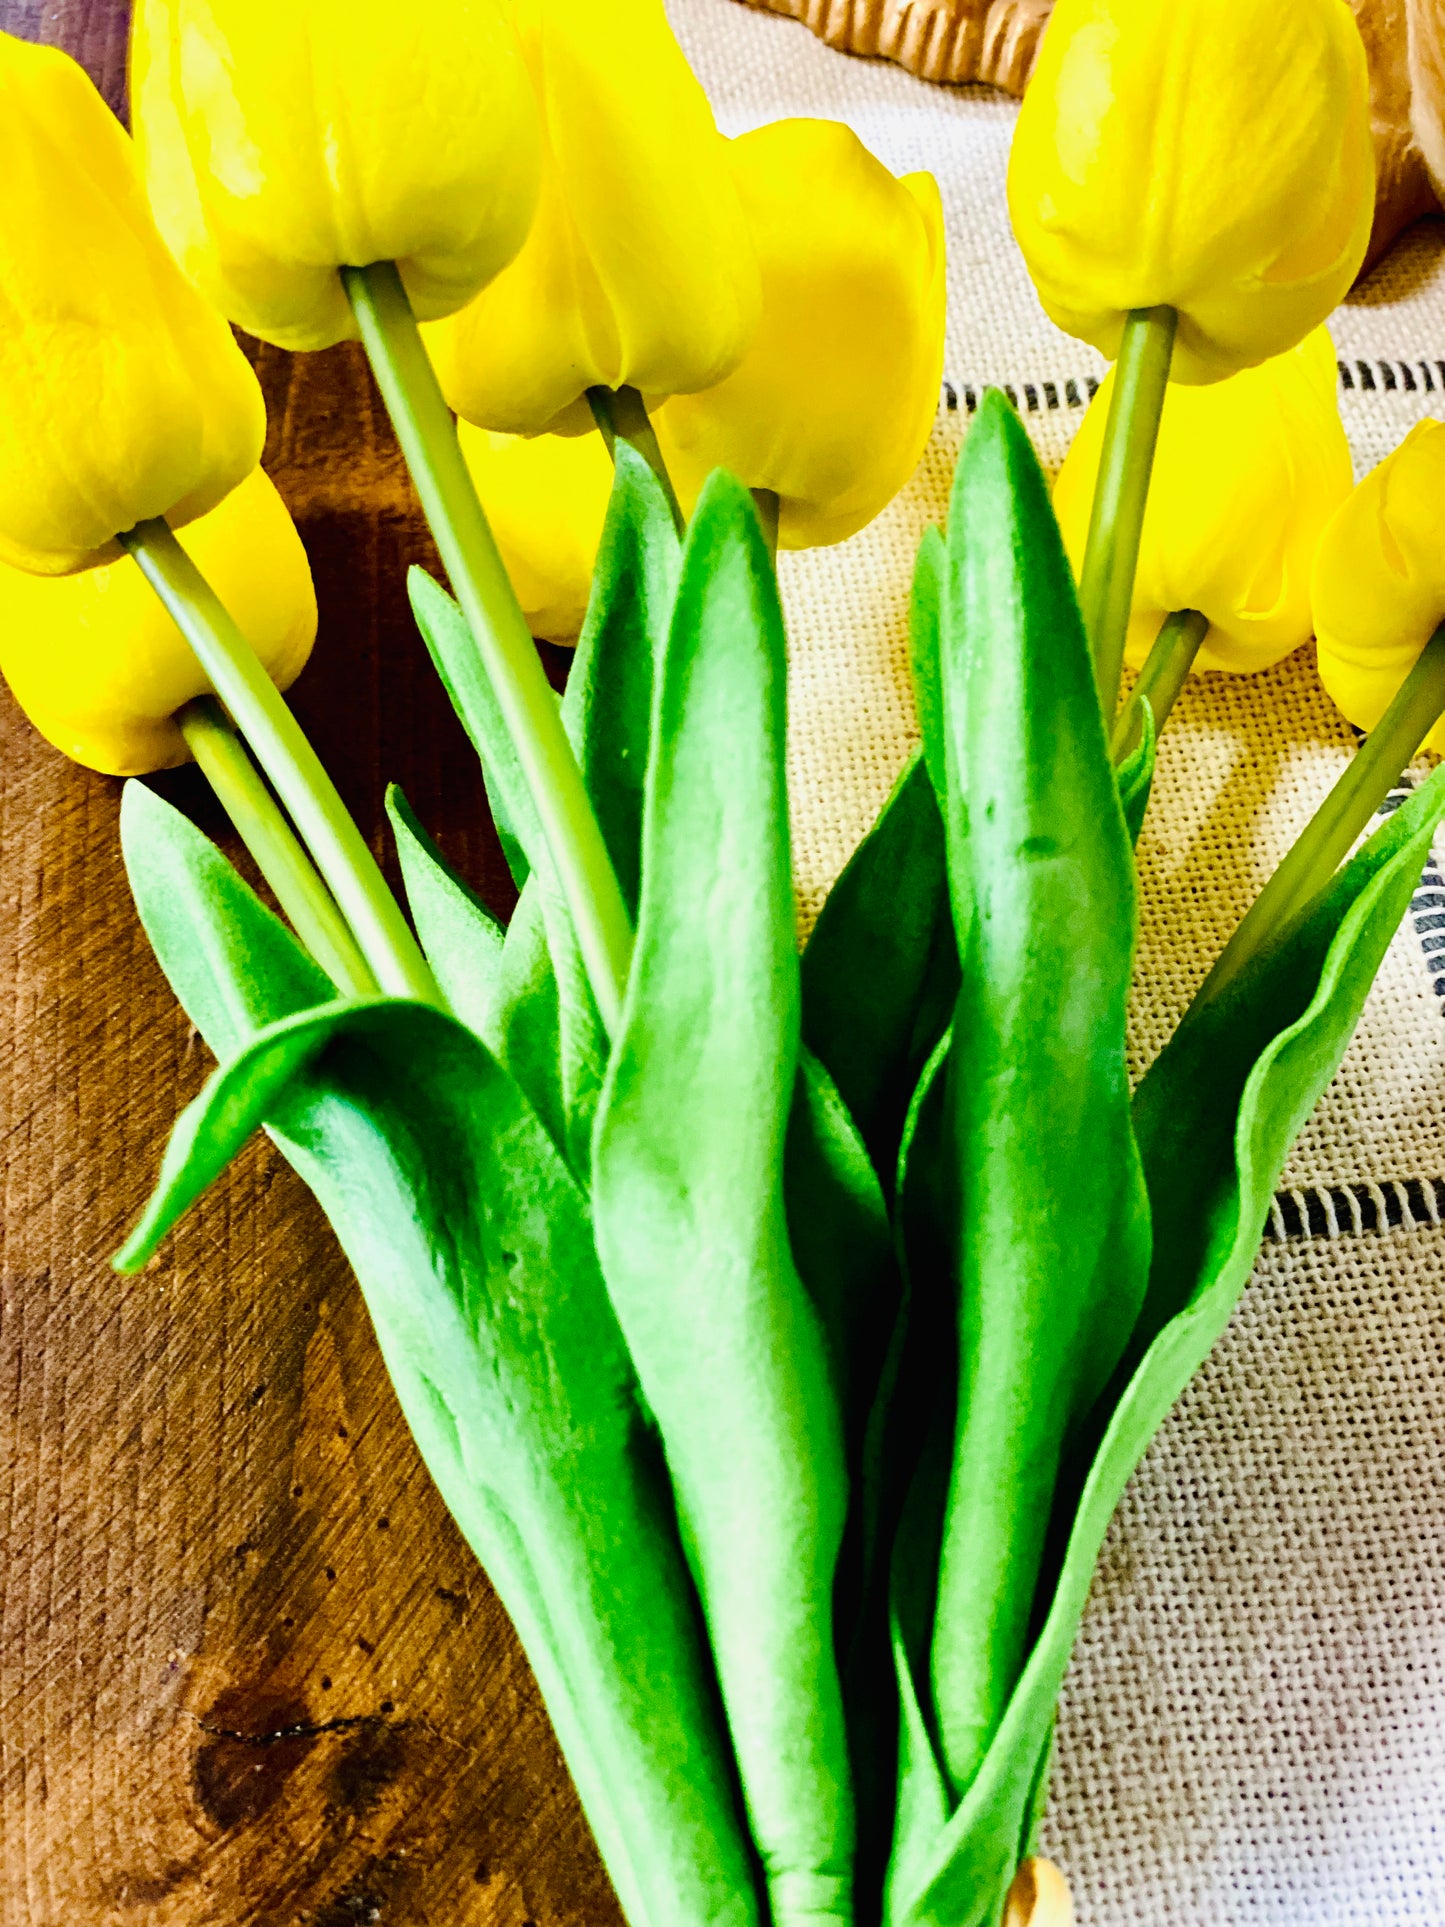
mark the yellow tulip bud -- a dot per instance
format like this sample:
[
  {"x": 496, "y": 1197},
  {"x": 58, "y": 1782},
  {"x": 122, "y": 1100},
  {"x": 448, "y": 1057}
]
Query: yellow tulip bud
[
  {"x": 830, "y": 407},
  {"x": 638, "y": 271},
  {"x": 1379, "y": 579},
  {"x": 284, "y": 139},
  {"x": 1213, "y": 156},
  {"x": 833, "y": 402},
  {"x": 122, "y": 395},
  {"x": 100, "y": 668},
  {"x": 1246, "y": 474},
  {"x": 546, "y": 499}
]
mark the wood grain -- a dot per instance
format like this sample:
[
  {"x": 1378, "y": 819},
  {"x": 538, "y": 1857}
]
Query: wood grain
[{"x": 249, "y": 1673}]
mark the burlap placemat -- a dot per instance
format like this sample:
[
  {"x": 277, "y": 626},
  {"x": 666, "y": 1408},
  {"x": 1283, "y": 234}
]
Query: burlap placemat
[{"x": 1254, "y": 1726}]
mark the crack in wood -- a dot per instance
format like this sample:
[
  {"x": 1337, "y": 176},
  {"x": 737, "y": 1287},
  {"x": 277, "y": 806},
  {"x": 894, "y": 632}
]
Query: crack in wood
[{"x": 303, "y": 1730}]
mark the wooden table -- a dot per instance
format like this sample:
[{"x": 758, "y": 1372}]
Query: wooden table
[{"x": 250, "y": 1672}]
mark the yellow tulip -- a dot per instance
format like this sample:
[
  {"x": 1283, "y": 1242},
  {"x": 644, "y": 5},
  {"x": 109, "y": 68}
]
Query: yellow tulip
[
  {"x": 830, "y": 407},
  {"x": 638, "y": 270},
  {"x": 1379, "y": 579},
  {"x": 1213, "y": 156},
  {"x": 833, "y": 402},
  {"x": 1247, "y": 472},
  {"x": 546, "y": 499},
  {"x": 100, "y": 668},
  {"x": 122, "y": 395},
  {"x": 284, "y": 139}
]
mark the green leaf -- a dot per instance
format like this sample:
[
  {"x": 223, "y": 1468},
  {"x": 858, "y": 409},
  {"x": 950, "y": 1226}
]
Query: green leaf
[
  {"x": 916, "y": 1448},
  {"x": 687, "y": 1195},
  {"x": 1136, "y": 773},
  {"x": 911, "y": 1424},
  {"x": 608, "y": 705},
  {"x": 607, "y": 715},
  {"x": 473, "y": 1248},
  {"x": 526, "y": 1026},
  {"x": 919, "y": 1387},
  {"x": 581, "y": 1049},
  {"x": 461, "y": 937},
  {"x": 234, "y": 965},
  {"x": 236, "y": 1102},
  {"x": 458, "y": 662},
  {"x": 1216, "y": 1117},
  {"x": 513, "y": 850},
  {"x": 925, "y": 632},
  {"x": 1186, "y": 1107},
  {"x": 880, "y": 972},
  {"x": 919, "y": 1372},
  {"x": 841, "y": 1241},
  {"x": 1054, "y": 1235}
]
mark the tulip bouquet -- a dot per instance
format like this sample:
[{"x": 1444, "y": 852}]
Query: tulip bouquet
[{"x": 780, "y": 1331}]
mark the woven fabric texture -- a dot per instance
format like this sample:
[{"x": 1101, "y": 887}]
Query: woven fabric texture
[{"x": 1253, "y": 1730}]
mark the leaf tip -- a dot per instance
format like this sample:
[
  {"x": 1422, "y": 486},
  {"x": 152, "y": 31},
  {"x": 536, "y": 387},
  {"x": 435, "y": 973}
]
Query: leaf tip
[
  {"x": 424, "y": 592},
  {"x": 995, "y": 410},
  {"x": 140, "y": 807},
  {"x": 723, "y": 494},
  {"x": 139, "y": 1248}
]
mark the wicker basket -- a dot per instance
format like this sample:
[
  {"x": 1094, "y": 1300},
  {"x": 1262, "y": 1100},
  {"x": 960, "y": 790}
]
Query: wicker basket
[{"x": 948, "y": 40}]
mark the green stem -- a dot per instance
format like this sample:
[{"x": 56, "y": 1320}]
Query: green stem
[
  {"x": 277, "y": 741},
  {"x": 622, "y": 415},
  {"x": 1165, "y": 672},
  {"x": 428, "y": 437},
  {"x": 1111, "y": 553},
  {"x": 1373, "y": 772},
  {"x": 770, "y": 509},
  {"x": 263, "y": 829}
]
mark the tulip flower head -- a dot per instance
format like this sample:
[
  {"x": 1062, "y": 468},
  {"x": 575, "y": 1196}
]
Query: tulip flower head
[
  {"x": 1213, "y": 156},
  {"x": 833, "y": 402},
  {"x": 830, "y": 407},
  {"x": 1379, "y": 579},
  {"x": 1247, "y": 472},
  {"x": 638, "y": 270},
  {"x": 100, "y": 668},
  {"x": 285, "y": 139},
  {"x": 546, "y": 499},
  {"x": 122, "y": 395}
]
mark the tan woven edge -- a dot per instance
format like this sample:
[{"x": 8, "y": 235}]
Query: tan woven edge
[{"x": 957, "y": 41}]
